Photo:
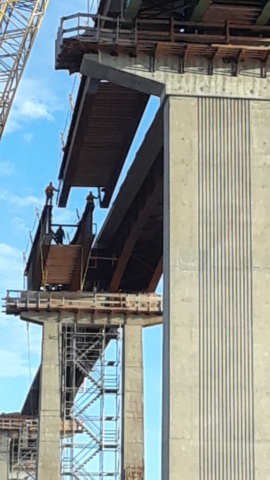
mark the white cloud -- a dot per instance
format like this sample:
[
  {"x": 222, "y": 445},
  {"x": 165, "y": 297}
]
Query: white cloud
[
  {"x": 28, "y": 137},
  {"x": 7, "y": 169},
  {"x": 28, "y": 201},
  {"x": 11, "y": 267},
  {"x": 3, "y": 320},
  {"x": 21, "y": 202},
  {"x": 20, "y": 224},
  {"x": 34, "y": 101},
  {"x": 16, "y": 357},
  {"x": 15, "y": 366},
  {"x": 65, "y": 216}
]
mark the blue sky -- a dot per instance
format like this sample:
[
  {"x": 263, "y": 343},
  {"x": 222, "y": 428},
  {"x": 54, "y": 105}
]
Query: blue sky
[{"x": 30, "y": 156}]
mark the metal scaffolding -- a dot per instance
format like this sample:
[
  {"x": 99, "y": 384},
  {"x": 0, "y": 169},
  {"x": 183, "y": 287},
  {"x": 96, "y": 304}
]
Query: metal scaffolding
[
  {"x": 20, "y": 21},
  {"x": 22, "y": 436},
  {"x": 91, "y": 402}
]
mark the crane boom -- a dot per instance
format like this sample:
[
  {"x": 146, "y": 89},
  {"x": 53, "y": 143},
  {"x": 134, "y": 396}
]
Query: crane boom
[{"x": 20, "y": 21}]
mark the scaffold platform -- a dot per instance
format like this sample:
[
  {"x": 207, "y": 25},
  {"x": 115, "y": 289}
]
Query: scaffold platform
[{"x": 18, "y": 301}]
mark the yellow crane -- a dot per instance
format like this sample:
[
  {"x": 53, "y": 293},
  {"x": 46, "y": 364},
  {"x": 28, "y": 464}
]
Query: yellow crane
[{"x": 20, "y": 21}]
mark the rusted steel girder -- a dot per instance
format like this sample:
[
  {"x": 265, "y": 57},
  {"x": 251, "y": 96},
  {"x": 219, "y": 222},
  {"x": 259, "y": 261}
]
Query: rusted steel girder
[
  {"x": 156, "y": 276},
  {"x": 135, "y": 220},
  {"x": 133, "y": 237},
  {"x": 199, "y": 10},
  {"x": 264, "y": 16}
]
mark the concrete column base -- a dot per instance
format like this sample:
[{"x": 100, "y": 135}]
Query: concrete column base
[
  {"x": 4, "y": 456},
  {"x": 132, "y": 404},
  {"x": 48, "y": 461}
]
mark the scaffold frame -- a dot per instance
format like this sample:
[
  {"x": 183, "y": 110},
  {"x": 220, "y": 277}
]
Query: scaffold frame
[
  {"x": 22, "y": 434},
  {"x": 92, "y": 403}
]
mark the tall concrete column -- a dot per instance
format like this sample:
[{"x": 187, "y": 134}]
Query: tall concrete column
[
  {"x": 216, "y": 387},
  {"x": 48, "y": 462},
  {"x": 216, "y": 384},
  {"x": 180, "y": 455},
  {"x": 4, "y": 456},
  {"x": 132, "y": 404}
]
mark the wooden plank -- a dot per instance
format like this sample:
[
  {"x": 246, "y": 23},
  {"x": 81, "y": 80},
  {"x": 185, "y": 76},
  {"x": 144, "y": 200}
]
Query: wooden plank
[{"x": 146, "y": 304}]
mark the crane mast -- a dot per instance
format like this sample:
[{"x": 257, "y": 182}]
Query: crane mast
[{"x": 20, "y": 21}]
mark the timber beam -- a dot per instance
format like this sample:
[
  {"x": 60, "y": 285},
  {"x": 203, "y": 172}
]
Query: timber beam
[
  {"x": 86, "y": 308},
  {"x": 82, "y": 318}
]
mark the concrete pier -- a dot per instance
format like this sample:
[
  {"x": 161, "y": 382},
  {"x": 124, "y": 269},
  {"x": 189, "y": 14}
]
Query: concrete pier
[
  {"x": 216, "y": 282},
  {"x": 62, "y": 350},
  {"x": 132, "y": 404},
  {"x": 4, "y": 456},
  {"x": 48, "y": 461},
  {"x": 216, "y": 350}
]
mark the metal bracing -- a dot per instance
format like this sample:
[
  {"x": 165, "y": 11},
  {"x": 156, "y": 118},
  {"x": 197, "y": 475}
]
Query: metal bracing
[
  {"x": 20, "y": 21},
  {"x": 22, "y": 435},
  {"x": 91, "y": 402}
]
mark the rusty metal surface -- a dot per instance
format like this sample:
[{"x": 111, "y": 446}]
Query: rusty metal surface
[
  {"x": 245, "y": 11},
  {"x": 97, "y": 148},
  {"x": 54, "y": 265},
  {"x": 227, "y": 34},
  {"x": 133, "y": 230},
  {"x": 60, "y": 264}
]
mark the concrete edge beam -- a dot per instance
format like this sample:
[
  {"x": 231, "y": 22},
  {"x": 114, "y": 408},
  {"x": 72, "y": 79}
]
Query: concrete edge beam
[
  {"x": 90, "y": 67},
  {"x": 95, "y": 319}
]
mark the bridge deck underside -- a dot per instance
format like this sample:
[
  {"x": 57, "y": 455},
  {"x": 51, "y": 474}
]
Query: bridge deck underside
[
  {"x": 104, "y": 123},
  {"x": 127, "y": 254},
  {"x": 219, "y": 43},
  {"x": 246, "y": 11}
]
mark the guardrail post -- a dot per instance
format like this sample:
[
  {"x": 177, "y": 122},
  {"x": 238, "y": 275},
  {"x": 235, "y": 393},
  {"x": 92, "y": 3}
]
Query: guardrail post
[
  {"x": 98, "y": 27},
  {"x": 117, "y": 31},
  {"x": 172, "y": 29}
]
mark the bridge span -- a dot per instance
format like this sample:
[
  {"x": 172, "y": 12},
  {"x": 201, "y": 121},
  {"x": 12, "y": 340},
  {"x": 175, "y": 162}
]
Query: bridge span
[{"x": 193, "y": 206}]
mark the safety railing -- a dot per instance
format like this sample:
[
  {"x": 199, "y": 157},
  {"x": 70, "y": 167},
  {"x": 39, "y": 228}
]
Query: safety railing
[
  {"x": 31, "y": 424},
  {"x": 15, "y": 423},
  {"x": 114, "y": 31},
  {"x": 17, "y": 300}
]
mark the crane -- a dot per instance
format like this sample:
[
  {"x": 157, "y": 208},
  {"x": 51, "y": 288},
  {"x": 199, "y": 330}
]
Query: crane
[{"x": 20, "y": 21}]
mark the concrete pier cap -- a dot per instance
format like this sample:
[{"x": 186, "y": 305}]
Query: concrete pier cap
[
  {"x": 216, "y": 337},
  {"x": 163, "y": 77}
]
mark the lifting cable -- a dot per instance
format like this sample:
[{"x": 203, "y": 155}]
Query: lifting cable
[
  {"x": 30, "y": 239},
  {"x": 31, "y": 231},
  {"x": 70, "y": 109},
  {"x": 86, "y": 269}
]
